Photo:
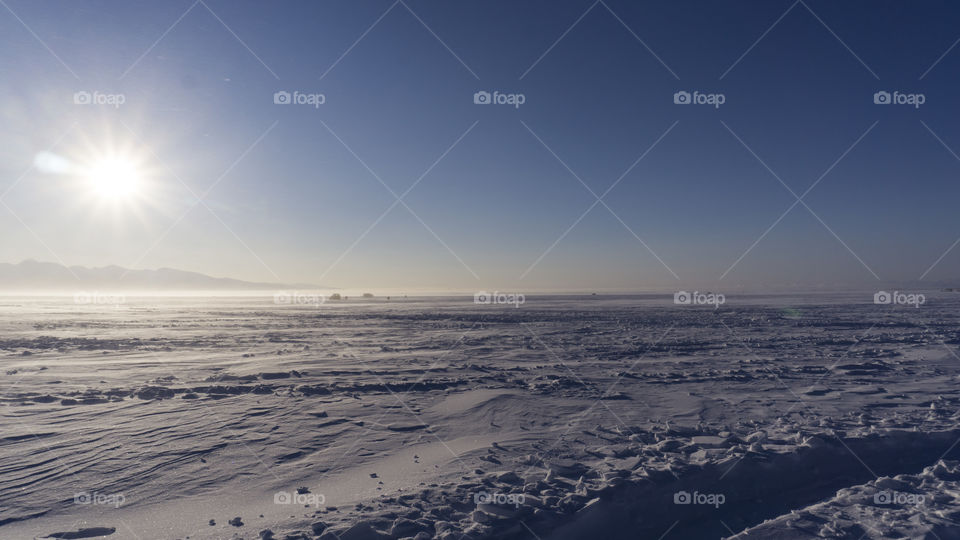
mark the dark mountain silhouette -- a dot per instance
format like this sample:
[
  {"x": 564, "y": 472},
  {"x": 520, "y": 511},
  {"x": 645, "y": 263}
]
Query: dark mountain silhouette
[{"x": 42, "y": 276}]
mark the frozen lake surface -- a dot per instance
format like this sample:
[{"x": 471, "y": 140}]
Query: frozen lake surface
[{"x": 819, "y": 416}]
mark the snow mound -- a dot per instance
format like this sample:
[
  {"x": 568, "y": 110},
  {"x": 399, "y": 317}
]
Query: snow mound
[{"x": 925, "y": 505}]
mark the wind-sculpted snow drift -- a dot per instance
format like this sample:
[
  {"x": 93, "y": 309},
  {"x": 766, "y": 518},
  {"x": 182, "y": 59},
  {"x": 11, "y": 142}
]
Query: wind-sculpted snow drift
[{"x": 563, "y": 418}]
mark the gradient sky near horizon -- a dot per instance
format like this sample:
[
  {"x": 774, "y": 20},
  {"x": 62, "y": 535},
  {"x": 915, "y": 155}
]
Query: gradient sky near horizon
[{"x": 242, "y": 187}]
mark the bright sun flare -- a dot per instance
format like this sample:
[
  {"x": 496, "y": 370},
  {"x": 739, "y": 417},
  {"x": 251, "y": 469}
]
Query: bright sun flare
[{"x": 115, "y": 178}]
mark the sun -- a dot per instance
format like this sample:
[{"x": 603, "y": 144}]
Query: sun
[{"x": 114, "y": 178}]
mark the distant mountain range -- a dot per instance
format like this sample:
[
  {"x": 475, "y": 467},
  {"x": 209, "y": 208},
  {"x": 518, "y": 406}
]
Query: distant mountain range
[{"x": 32, "y": 275}]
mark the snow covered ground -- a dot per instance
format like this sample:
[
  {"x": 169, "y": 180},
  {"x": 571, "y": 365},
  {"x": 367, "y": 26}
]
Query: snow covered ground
[{"x": 821, "y": 416}]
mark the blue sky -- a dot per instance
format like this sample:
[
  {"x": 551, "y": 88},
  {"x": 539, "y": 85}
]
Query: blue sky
[{"x": 299, "y": 193}]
